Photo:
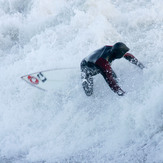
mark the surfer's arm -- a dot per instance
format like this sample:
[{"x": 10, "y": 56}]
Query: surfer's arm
[
  {"x": 133, "y": 60},
  {"x": 106, "y": 71}
]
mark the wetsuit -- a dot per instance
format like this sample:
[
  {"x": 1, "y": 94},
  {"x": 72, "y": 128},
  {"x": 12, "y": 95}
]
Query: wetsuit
[{"x": 100, "y": 62}]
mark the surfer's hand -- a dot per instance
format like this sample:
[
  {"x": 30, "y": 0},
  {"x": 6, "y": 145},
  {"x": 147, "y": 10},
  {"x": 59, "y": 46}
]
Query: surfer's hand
[
  {"x": 120, "y": 92},
  {"x": 140, "y": 65}
]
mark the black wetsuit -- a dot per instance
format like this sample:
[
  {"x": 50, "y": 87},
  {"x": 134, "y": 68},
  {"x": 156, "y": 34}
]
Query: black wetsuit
[{"x": 100, "y": 62}]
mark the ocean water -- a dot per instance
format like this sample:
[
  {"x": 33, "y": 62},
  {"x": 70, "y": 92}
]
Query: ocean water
[{"x": 47, "y": 127}]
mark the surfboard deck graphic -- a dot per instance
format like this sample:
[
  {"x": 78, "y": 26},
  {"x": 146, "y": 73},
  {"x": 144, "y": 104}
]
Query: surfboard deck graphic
[{"x": 53, "y": 79}]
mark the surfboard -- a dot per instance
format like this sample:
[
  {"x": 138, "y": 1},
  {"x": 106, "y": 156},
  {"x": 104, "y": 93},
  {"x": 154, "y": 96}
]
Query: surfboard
[{"x": 53, "y": 79}]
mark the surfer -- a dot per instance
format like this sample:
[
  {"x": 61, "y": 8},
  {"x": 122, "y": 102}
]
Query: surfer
[{"x": 100, "y": 62}]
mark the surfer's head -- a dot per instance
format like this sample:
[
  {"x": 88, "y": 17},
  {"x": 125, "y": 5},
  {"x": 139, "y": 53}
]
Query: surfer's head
[{"x": 118, "y": 50}]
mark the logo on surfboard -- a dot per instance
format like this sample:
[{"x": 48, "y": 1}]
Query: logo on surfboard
[
  {"x": 33, "y": 79},
  {"x": 41, "y": 77}
]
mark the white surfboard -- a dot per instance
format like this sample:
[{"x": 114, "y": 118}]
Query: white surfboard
[{"x": 54, "y": 79}]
